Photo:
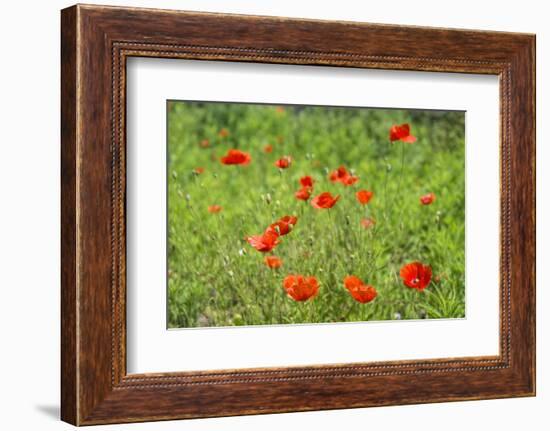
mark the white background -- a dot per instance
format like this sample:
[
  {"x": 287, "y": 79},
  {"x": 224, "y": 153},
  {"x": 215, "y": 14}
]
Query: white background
[
  {"x": 151, "y": 348},
  {"x": 29, "y": 216}
]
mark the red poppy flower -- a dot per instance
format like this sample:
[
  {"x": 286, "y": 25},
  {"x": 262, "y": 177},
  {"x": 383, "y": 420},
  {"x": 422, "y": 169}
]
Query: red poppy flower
[
  {"x": 300, "y": 288},
  {"x": 268, "y": 148},
  {"x": 214, "y": 208},
  {"x": 402, "y": 133},
  {"x": 284, "y": 225},
  {"x": 427, "y": 199},
  {"x": 284, "y": 162},
  {"x": 324, "y": 200},
  {"x": 198, "y": 170},
  {"x": 351, "y": 281},
  {"x": 205, "y": 143},
  {"x": 368, "y": 223},
  {"x": 364, "y": 196},
  {"x": 265, "y": 242},
  {"x": 306, "y": 181},
  {"x": 341, "y": 175},
  {"x": 290, "y": 219},
  {"x": 307, "y": 187},
  {"x": 223, "y": 133},
  {"x": 280, "y": 110},
  {"x": 236, "y": 157},
  {"x": 350, "y": 180},
  {"x": 303, "y": 194},
  {"x": 360, "y": 291},
  {"x": 416, "y": 275},
  {"x": 273, "y": 262}
]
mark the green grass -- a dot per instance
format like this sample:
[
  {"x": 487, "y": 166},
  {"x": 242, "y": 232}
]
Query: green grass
[{"x": 215, "y": 278}]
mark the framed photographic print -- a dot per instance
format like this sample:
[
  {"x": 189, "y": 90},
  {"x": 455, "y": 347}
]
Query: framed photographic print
[{"x": 265, "y": 215}]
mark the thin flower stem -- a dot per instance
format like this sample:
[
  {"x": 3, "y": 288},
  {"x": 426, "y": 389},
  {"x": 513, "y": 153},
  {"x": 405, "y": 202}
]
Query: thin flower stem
[
  {"x": 386, "y": 175},
  {"x": 331, "y": 226},
  {"x": 345, "y": 317},
  {"x": 400, "y": 179},
  {"x": 303, "y": 311},
  {"x": 402, "y": 166},
  {"x": 400, "y": 182},
  {"x": 272, "y": 304}
]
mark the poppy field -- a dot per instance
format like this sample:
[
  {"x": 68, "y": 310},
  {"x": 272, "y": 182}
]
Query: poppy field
[{"x": 310, "y": 214}]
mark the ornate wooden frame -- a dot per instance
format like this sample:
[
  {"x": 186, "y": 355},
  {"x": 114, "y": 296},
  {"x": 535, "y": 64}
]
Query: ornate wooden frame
[{"x": 95, "y": 42}]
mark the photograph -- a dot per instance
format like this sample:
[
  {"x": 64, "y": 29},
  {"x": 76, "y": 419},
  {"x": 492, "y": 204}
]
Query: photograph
[{"x": 298, "y": 214}]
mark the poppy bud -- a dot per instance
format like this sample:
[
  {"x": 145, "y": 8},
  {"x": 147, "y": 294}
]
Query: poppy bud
[
  {"x": 422, "y": 314},
  {"x": 215, "y": 175},
  {"x": 268, "y": 198},
  {"x": 230, "y": 273},
  {"x": 202, "y": 320},
  {"x": 397, "y": 316},
  {"x": 238, "y": 319},
  {"x": 187, "y": 197},
  {"x": 326, "y": 170},
  {"x": 438, "y": 218},
  {"x": 174, "y": 175},
  {"x": 348, "y": 220},
  {"x": 388, "y": 167}
]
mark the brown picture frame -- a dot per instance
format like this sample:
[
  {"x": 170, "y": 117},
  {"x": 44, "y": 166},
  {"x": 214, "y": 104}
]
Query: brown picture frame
[{"x": 95, "y": 43}]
